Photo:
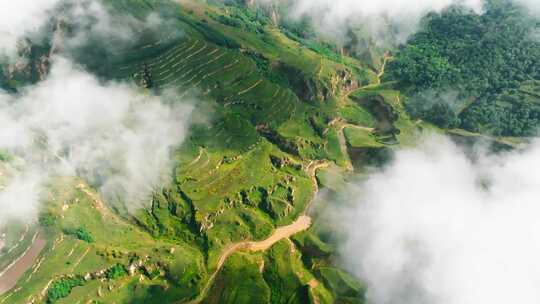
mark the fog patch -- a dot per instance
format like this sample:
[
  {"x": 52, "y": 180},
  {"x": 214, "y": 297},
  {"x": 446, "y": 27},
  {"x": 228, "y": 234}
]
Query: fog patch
[
  {"x": 436, "y": 227},
  {"x": 20, "y": 18},
  {"x": 90, "y": 24},
  {"x": 115, "y": 135},
  {"x": 532, "y": 6},
  {"x": 388, "y": 22},
  {"x": 75, "y": 27}
]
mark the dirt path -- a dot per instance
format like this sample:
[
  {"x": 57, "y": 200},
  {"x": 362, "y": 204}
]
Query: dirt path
[
  {"x": 341, "y": 124},
  {"x": 387, "y": 58},
  {"x": 380, "y": 74},
  {"x": 10, "y": 276},
  {"x": 343, "y": 141},
  {"x": 98, "y": 203},
  {"x": 281, "y": 233},
  {"x": 302, "y": 223},
  {"x": 250, "y": 88},
  {"x": 193, "y": 162}
]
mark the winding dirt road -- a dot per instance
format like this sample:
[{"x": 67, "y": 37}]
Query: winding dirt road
[
  {"x": 387, "y": 57},
  {"x": 281, "y": 233},
  {"x": 302, "y": 223}
]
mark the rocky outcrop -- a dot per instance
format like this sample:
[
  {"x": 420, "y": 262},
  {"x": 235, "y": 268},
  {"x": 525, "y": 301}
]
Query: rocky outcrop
[
  {"x": 317, "y": 88},
  {"x": 32, "y": 64},
  {"x": 274, "y": 137},
  {"x": 306, "y": 87},
  {"x": 343, "y": 82},
  {"x": 33, "y": 60}
]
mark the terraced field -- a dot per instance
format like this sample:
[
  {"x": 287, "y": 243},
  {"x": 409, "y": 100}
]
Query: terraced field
[{"x": 193, "y": 64}]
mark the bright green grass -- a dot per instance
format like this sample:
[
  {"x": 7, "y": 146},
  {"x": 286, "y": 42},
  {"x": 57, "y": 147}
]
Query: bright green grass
[
  {"x": 115, "y": 240},
  {"x": 357, "y": 138},
  {"x": 342, "y": 284},
  {"x": 248, "y": 287},
  {"x": 334, "y": 150},
  {"x": 354, "y": 114},
  {"x": 286, "y": 275}
]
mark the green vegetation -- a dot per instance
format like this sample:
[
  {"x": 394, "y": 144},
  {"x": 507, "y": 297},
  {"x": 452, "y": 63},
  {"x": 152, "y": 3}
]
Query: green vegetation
[
  {"x": 361, "y": 138},
  {"x": 80, "y": 233},
  {"x": 249, "y": 286},
  {"x": 343, "y": 284},
  {"x": 487, "y": 58},
  {"x": 62, "y": 288},
  {"x": 5, "y": 157},
  {"x": 280, "y": 104},
  {"x": 116, "y": 272}
]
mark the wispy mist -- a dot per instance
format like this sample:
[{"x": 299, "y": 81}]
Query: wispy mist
[
  {"x": 77, "y": 24},
  {"x": 532, "y": 6},
  {"x": 387, "y": 21},
  {"x": 436, "y": 227},
  {"x": 94, "y": 25},
  {"x": 20, "y": 18},
  {"x": 112, "y": 134},
  {"x": 115, "y": 135}
]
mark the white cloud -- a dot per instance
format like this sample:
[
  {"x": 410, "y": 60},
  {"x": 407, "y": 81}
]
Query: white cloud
[
  {"x": 90, "y": 21},
  {"x": 533, "y": 6},
  {"x": 18, "y": 18},
  {"x": 112, "y": 134},
  {"x": 19, "y": 194},
  {"x": 435, "y": 227},
  {"x": 391, "y": 8},
  {"x": 382, "y": 19},
  {"x": 387, "y": 21}
]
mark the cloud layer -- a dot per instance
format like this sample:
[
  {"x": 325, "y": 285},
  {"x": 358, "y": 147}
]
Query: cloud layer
[
  {"x": 435, "y": 227},
  {"x": 21, "y": 17},
  {"x": 387, "y": 21},
  {"x": 112, "y": 134},
  {"x": 91, "y": 25}
]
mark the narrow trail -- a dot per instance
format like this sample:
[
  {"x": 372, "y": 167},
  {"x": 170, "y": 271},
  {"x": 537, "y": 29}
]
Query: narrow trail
[
  {"x": 380, "y": 74},
  {"x": 11, "y": 275},
  {"x": 302, "y": 223},
  {"x": 387, "y": 58},
  {"x": 340, "y": 125},
  {"x": 193, "y": 162},
  {"x": 98, "y": 203},
  {"x": 343, "y": 147},
  {"x": 250, "y": 88}
]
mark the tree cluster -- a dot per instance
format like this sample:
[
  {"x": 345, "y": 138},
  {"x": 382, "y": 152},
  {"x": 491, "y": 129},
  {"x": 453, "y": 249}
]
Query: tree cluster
[{"x": 481, "y": 56}]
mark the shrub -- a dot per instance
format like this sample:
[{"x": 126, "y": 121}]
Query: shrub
[
  {"x": 115, "y": 272},
  {"x": 62, "y": 288},
  {"x": 81, "y": 233}
]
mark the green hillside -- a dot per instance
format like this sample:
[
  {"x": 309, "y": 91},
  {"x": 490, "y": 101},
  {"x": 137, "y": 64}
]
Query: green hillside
[{"x": 285, "y": 115}]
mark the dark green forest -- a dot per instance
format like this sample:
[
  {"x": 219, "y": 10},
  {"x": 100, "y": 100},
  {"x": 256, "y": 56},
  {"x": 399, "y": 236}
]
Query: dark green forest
[{"x": 491, "y": 60}]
